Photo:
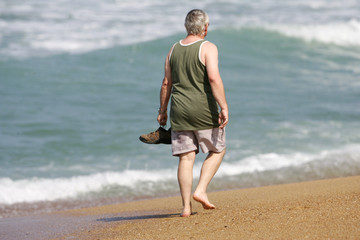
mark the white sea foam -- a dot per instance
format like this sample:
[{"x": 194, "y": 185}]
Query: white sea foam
[
  {"x": 44, "y": 189},
  {"x": 65, "y": 28},
  {"x": 45, "y": 29},
  {"x": 333, "y": 163},
  {"x": 339, "y": 33},
  {"x": 349, "y": 155}
]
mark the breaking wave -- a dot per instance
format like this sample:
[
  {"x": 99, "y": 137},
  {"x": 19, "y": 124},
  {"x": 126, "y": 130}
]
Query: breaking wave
[{"x": 326, "y": 164}]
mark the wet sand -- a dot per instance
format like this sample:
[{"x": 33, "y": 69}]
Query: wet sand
[{"x": 325, "y": 209}]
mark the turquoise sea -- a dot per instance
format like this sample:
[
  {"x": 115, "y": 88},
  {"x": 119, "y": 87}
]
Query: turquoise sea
[{"x": 80, "y": 81}]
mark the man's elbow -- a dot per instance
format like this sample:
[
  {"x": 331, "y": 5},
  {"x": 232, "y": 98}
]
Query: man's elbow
[
  {"x": 166, "y": 83},
  {"x": 214, "y": 80}
]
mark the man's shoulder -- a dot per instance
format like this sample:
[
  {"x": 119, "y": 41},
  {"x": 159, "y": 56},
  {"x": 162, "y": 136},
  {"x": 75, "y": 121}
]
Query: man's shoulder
[{"x": 209, "y": 46}]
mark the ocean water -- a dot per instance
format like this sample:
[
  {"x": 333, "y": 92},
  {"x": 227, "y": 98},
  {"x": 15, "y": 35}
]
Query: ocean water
[{"x": 80, "y": 81}]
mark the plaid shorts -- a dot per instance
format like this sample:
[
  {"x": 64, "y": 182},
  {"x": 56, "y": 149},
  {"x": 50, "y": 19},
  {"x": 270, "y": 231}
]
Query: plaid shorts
[{"x": 210, "y": 140}]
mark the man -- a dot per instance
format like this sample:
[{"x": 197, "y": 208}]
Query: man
[{"x": 193, "y": 81}]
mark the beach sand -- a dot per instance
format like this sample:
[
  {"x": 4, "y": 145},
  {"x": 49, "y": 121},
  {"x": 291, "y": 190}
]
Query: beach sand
[{"x": 324, "y": 209}]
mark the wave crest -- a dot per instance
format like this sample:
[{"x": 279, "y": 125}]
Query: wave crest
[
  {"x": 252, "y": 171},
  {"x": 341, "y": 33}
]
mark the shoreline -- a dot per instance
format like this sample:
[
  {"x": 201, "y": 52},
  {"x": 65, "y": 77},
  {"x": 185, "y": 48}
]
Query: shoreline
[
  {"x": 48, "y": 207},
  {"x": 318, "y": 209}
]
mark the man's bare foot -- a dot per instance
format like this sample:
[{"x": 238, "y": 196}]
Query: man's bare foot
[
  {"x": 187, "y": 211},
  {"x": 185, "y": 214},
  {"x": 203, "y": 199}
]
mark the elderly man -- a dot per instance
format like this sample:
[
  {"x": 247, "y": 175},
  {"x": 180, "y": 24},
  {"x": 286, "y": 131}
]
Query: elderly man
[{"x": 193, "y": 82}]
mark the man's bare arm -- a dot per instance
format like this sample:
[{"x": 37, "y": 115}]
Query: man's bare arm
[
  {"x": 165, "y": 93},
  {"x": 216, "y": 83}
]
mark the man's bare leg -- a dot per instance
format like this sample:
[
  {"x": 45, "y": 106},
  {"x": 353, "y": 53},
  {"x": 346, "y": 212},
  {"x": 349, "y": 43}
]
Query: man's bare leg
[
  {"x": 208, "y": 170},
  {"x": 185, "y": 179}
]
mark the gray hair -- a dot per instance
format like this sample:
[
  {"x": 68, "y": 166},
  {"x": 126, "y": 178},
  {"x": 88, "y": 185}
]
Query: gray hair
[{"x": 195, "y": 22}]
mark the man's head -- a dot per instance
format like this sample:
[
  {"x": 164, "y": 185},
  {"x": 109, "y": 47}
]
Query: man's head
[{"x": 196, "y": 21}]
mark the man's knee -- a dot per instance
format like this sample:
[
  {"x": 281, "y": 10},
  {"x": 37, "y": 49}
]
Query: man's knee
[{"x": 187, "y": 156}]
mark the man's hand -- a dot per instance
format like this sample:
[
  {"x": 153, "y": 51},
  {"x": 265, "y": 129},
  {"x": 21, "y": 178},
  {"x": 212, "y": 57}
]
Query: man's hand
[
  {"x": 162, "y": 118},
  {"x": 223, "y": 118}
]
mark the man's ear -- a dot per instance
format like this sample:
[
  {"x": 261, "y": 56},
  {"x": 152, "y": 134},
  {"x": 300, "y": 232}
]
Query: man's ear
[{"x": 206, "y": 30}]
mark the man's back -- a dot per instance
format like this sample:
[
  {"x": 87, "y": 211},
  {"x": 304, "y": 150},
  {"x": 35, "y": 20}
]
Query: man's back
[{"x": 193, "y": 106}]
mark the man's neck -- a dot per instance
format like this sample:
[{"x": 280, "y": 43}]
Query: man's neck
[{"x": 192, "y": 38}]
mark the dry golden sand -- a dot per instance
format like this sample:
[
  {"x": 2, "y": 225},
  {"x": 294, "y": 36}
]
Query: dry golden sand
[{"x": 325, "y": 209}]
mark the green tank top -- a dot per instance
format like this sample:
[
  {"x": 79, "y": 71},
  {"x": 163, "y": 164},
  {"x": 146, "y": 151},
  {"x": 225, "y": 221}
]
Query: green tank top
[{"x": 193, "y": 106}]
